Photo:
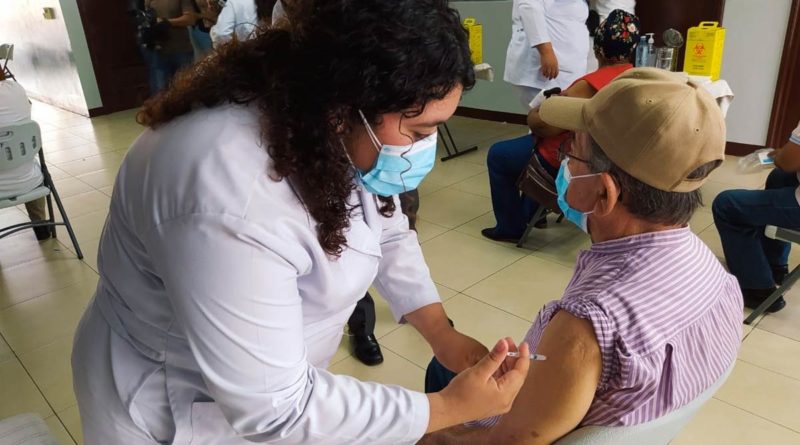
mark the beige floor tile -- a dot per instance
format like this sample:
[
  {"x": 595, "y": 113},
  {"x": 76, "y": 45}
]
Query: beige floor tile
[
  {"x": 50, "y": 368},
  {"x": 408, "y": 343},
  {"x": 427, "y": 230},
  {"x": 19, "y": 394},
  {"x": 477, "y": 185},
  {"x": 84, "y": 203},
  {"x": 728, "y": 173},
  {"x": 12, "y": 216},
  {"x": 451, "y": 208},
  {"x": 100, "y": 178},
  {"x": 42, "y": 320},
  {"x": 785, "y": 323},
  {"x": 767, "y": 394},
  {"x": 109, "y": 160},
  {"x": 453, "y": 171},
  {"x": 771, "y": 351},
  {"x": 720, "y": 423},
  {"x": 394, "y": 370},
  {"x": 537, "y": 237},
  {"x": 429, "y": 186},
  {"x": 5, "y": 351},
  {"x": 524, "y": 287},
  {"x": 68, "y": 187},
  {"x": 710, "y": 236},
  {"x": 57, "y": 141},
  {"x": 565, "y": 250},
  {"x": 71, "y": 419},
  {"x": 89, "y": 250},
  {"x": 59, "y": 431},
  {"x": 107, "y": 190},
  {"x": 701, "y": 220},
  {"x": 29, "y": 280},
  {"x": 711, "y": 189},
  {"x": 485, "y": 323},
  {"x": 459, "y": 261},
  {"x": 56, "y": 173},
  {"x": 24, "y": 248},
  {"x": 85, "y": 150},
  {"x": 384, "y": 320},
  {"x": 87, "y": 227}
]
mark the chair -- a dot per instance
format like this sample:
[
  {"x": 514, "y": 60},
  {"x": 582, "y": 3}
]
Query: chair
[
  {"x": 19, "y": 144},
  {"x": 537, "y": 184},
  {"x": 657, "y": 432},
  {"x": 25, "y": 429},
  {"x": 6, "y": 54},
  {"x": 780, "y": 234}
]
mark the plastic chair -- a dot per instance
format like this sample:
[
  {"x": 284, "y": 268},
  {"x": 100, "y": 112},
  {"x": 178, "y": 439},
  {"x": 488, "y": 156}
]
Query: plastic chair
[
  {"x": 6, "y": 54},
  {"x": 780, "y": 234},
  {"x": 657, "y": 432},
  {"x": 25, "y": 429},
  {"x": 19, "y": 145}
]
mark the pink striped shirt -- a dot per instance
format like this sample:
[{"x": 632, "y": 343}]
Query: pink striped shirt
[{"x": 667, "y": 316}]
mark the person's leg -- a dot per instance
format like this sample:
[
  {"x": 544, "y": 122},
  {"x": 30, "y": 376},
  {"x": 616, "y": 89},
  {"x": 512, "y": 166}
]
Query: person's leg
[
  {"x": 777, "y": 252},
  {"x": 174, "y": 63},
  {"x": 437, "y": 377},
  {"x": 740, "y": 217},
  {"x": 37, "y": 211},
  {"x": 362, "y": 332},
  {"x": 506, "y": 162},
  {"x": 153, "y": 73},
  {"x": 201, "y": 42}
]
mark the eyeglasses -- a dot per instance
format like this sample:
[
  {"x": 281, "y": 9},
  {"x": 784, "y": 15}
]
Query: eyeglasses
[{"x": 565, "y": 150}]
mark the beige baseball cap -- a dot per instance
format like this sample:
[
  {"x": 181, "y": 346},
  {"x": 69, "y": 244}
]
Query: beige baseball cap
[{"x": 655, "y": 125}]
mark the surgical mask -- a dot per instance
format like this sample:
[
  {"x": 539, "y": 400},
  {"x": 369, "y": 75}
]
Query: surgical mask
[
  {"x": 575, "y": 216},
  {"x": 399, "y": 168}
]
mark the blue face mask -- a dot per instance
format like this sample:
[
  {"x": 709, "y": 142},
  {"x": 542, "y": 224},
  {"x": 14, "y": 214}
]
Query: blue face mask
[
  {"x": 580, "y": 219},
  {"x": 399, "y": 168}
]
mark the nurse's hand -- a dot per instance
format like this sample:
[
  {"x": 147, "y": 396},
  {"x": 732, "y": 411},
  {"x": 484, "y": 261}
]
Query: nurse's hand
[
  {"x": 476, "y": 393},
  {"x": 548, "y": 59}
]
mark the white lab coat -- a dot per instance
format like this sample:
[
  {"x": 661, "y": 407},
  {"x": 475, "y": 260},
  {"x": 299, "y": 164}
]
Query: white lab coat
[
  {"x": 604, "y": 7},
  {"x": 14, "y": 108},
  {"x": 238, "y": 18},
  {"x": 560, "y": 22},
  {"x": 223, "y": 308}
]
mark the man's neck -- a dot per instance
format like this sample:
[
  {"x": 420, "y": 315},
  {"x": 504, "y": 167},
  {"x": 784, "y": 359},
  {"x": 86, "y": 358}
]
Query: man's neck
[{"x": 623, "y": 225}]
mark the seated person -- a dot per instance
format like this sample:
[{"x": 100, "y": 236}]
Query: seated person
[
  {"x": 760, "y": 263},
  {"x": 15, "y": 107},
  {"x": 614, "y": 44},
  {"x": 650, "y": 318}
]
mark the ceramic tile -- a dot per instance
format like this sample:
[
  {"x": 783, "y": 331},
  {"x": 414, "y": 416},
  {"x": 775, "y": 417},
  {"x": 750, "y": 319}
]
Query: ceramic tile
[
  {"x": 771, "y": 351},
  {"x": 711, "y": 189},
  {"x": 701, "y": 220},
  {"x": 451, "y": 208},
  {"x": 85, "y": 150},
  {"x": 71, "y": 419},
  {"x": 84, "y": 203},
  {"x": 100, "y": 178},
  {"x": 87, "y": 227},
  {"x": 453, "y": 171},
  {"x": 58, "y": 431},
  {"x": 5, "y": 351},
  {"x": 19, "y": 392},
  {"x": 109, "y": 160},
  {"x": 785, "y": 323},
  {"x": 477, "y": 185},
  {"x": 107, "y": 190},
  {"x": 394, "y": 370},
  {"x": 728, "y": 173},
  {"x": 68, "y": 187},
  {"x": 24, "y": 248},
  {"x": 565, "y": 250},
  {"x": 427, "y": 230},
  {"x": 29, "y": 280},
  {"x": 459, "y": 261},
  {"x": 50, "y": 368}
]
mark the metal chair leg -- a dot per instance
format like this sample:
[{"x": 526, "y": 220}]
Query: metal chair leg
[
  {"x": 540, "y": 212},
  {"x": 788, "y": 282},
  {"x": 71, "y": 232}
]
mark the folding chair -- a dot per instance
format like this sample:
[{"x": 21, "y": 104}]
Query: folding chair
[
  {"x": 6, "y": 54},
  {"x": 780, "y": 234},
  {"x": 537, "y": 184},
  {"x": 19, "y": 144}
]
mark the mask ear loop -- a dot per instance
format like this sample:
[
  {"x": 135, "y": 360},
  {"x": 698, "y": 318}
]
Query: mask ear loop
[{"x": 375, "y": 141}]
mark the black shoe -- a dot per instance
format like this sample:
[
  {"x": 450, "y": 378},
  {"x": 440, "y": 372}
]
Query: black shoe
[
  {"x": 366, "y": 349},
  {"x": 490, "y": 233},
  {"x": 779, "y": 273},
  {"x": 42, "y": 232},
  {"x": 754, "y": 297}
]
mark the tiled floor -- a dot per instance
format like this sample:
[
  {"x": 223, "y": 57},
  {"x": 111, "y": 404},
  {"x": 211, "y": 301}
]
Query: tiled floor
[{"x": 490, "y": 289}]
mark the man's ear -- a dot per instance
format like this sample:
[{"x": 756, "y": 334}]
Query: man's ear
[{"x": 609, "y": 195}]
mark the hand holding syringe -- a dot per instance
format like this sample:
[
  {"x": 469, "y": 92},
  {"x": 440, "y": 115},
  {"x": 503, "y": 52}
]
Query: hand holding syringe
[{"x": 538, "y": 357}]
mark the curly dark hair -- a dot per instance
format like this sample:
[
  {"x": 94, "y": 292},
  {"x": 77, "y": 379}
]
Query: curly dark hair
[{"x": 310, "y": 75}]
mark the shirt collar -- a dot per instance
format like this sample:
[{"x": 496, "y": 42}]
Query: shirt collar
[{"x": 662, "y": 238}]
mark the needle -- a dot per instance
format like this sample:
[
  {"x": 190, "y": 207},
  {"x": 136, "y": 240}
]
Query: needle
[{"x": 533, "y": 356}]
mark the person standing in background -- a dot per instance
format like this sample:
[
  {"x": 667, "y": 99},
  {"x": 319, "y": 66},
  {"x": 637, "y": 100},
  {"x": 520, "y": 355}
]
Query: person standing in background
[
  {"x": 598, "y": 12},
  {"x": 548, "y": 46},
  {"x": 207, "y": 11},
  {"x": 172, "y": 49}
]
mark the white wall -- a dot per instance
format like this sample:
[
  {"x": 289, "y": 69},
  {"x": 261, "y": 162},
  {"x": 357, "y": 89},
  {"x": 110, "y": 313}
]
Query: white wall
[{"x": 753, "y": 46}]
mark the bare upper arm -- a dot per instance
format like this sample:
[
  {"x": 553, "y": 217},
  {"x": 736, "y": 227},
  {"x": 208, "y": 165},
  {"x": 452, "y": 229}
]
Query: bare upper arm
[
  {"x": 581, "y": 89},
  {"x": 558, "y": 392}
]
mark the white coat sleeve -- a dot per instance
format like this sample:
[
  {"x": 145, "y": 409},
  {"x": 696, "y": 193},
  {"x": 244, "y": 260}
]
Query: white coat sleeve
[
  {"x": 225, "y": 27},
  {"x": 534, "y": 21},
  {"x": 233, "y": 289},
  {"x": 403, "y": 279}
]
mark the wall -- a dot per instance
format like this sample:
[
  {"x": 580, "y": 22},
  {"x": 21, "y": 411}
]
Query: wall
[
  {"x": 495, "y": 16},
  {"x": 753, "y": 46},
  {"x": 51, "y": 59}
]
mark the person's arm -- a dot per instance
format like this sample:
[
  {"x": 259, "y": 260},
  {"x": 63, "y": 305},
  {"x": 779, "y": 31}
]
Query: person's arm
[
  {"x": 556, "y": 395},
  {"x": 223, "y": 30},
  {"x": 534, "y": 24},
  {"x": 787, "y": 158},
  {"x": 581, "y": 89},
  {"x": 188, "y": 18},
  {"x": 405, "y": 281}
]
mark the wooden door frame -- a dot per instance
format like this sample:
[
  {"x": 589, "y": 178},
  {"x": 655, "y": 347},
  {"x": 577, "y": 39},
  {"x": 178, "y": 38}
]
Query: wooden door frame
[{"x": 788, "y": 73}]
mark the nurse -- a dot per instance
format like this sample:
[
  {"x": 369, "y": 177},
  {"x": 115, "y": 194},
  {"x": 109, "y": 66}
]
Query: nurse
[{"x": 251, "y": 216}]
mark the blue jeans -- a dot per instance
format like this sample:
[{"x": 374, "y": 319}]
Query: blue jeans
[
  {"x": 162, "y": 67},
  {"x": 506, "y": 161},
  {"x": 201, "y": 42},
  {"x": 740, "y": 217}
]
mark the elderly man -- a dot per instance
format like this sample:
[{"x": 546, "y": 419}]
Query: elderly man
[{"x": 650, "y": 318}]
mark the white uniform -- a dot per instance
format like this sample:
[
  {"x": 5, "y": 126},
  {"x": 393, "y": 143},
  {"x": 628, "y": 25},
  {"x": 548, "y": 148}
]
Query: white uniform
[
  {"x": 560, "y": 22},
  {"x": 217, "y": 309},
  {"x": 238, "y": 18},
  {"x": 15, "y": 107}
]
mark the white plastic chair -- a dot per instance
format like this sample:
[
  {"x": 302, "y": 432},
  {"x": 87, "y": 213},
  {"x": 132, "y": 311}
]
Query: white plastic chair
[
  {"x": 780, "y": 234},
  {"x": 25, "y": 429},
  {"x": 657, "y": 432},
  {"x": 6, "y": 54},
  {"x": 19, "y": 145}
]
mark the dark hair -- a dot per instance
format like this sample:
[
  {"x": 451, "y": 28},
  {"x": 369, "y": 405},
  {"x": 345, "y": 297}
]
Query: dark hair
[
  {"x": 264, "y": 8},
  {"x": 647, "y": 202},
  {"x": 309, "y": 77}
]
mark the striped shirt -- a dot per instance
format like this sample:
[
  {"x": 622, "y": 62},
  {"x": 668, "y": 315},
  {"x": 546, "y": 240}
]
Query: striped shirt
[{"x": 667, "y": 316}]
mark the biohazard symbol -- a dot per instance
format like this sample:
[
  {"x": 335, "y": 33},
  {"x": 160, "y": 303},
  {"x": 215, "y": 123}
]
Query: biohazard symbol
[{"x": 699, "y": 49}]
